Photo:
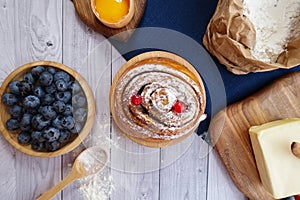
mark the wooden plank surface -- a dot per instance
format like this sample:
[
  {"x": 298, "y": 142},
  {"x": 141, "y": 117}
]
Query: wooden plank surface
[
  {"x": 78, "y": 41},
  {"x": 182, "y": 165},
  {"x": 44, "y": 29},
  {"x": 230, "y": 130},
  {"x": 27, "y": 32},
  {"x": 220, "y": 186},
  {"x": 8, "y": 178}
]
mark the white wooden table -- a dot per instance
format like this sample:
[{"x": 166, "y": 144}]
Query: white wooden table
[{"x": 50, "y": 30}]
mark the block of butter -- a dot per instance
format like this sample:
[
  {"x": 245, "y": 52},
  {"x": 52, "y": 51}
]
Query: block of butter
[{"x": 278, "y": 167}]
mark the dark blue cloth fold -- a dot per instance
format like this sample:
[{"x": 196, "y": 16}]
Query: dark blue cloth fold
[{"x": 191, "y": 18}]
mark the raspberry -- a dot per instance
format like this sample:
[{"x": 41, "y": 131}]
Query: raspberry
[
  {"x": 179, "y": 107},
  {"x": 136, "y": 99}
]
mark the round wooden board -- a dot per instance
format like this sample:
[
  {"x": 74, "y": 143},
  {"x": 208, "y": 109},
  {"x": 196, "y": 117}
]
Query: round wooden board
[
  {"x": 84, "y": 11},
  {"x": 11, "y": 136},
  {"x": 185, "y": 67}
]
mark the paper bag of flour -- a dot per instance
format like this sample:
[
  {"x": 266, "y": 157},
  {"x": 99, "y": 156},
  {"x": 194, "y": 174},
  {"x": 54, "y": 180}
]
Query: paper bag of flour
[{"x": 242, "y": 47}]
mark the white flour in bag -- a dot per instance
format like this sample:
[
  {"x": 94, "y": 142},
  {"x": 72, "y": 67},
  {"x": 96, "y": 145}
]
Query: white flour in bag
[{"x": 276, "y": 23}]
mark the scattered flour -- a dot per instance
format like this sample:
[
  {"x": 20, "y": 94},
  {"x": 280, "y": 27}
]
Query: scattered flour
[
  {"x": 96, "y": 187},
  {"x": 276, "y": 23}
]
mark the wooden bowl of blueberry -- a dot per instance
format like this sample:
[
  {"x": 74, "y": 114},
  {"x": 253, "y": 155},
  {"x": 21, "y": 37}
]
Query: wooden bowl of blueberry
[{"x": 47, "y": 109}]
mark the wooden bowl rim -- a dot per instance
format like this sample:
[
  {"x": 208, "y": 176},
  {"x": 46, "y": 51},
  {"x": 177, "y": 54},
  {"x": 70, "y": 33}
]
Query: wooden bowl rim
[
  {"x": 155, "y": 55},
  {"x": 91, "y": 108},
  {"x": 122, "y": 22}
]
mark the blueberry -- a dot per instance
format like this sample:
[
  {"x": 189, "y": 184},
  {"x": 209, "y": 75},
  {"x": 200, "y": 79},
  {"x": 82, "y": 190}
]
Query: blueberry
[
  {"x": 68, "y": 122},
  {"x": 30, "y": 111},
  {"x": 61, "y": 85},
  {"x": 9, "y": 99},
  {"x": 25, "y": 88},
  {"x": 16, "y": 111},
  {"x": 38, "y": 122},
  {"x": 14, "y": 87},
  {"x": 65, "y": 136},
  {"x": 37, "y": 146},
  {"x": 38, "y": 91},
  {"x": 47, "y": 99},
  {"x": 51, "y": 134},
  {"x": 52, "y": 146},
  {"x": 24, "y": 138},
  {"x": 57, "y": 122},
  {"x": 62, "y": 75},
  {"x": 63, "y": 96},
  {"x": 80, "y": 115},
  {"x": 28, "y": 77},
  {"x": 37, "y": 71},
  {"x": 68, "y": 110},
  {"x": 59, "y": 106},
  {"x": 48, "y": 112},
  {"x": 51, "y": 70},
  {"x": 46, "y": 79},
  {"x": 75, "y": 87},
  {"x": 31, "y": 102},
  {"x": 12, "y": 124},
  {"x": 25, "y": 128},
  {"x": 50, "y": 89},
  {"x": 37, "y": 136},
  {"x": 79, "y": 100},
  {"x": 77, "y": 128},
  {"x": 26, "y": 119}
]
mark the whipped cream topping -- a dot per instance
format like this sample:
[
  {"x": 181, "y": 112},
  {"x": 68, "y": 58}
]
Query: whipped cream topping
[{"x": 160, "y": 87}]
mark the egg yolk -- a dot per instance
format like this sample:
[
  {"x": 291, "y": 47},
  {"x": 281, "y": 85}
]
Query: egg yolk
[{"x": 112, "y": 10}]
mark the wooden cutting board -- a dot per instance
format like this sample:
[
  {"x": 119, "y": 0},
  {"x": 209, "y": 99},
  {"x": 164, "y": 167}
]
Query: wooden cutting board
[
  {"x": 229, "y": 130},
  {"x": 85, "y": 13}
]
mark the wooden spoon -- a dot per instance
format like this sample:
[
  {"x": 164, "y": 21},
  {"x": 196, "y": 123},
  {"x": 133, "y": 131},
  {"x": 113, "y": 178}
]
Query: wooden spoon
[{"x": 89, "y": 162}]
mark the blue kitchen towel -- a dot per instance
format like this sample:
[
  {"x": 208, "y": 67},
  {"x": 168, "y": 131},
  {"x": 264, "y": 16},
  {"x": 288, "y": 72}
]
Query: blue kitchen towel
[{"x": 185, "y": 20}]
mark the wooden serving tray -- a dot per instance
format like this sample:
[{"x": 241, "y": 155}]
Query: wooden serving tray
[
  {"x": 229, "y": 130},
  {"x": 84, "y": 11}
]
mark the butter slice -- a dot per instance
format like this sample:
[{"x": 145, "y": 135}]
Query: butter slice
[{"x": 278, "y": 167}]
